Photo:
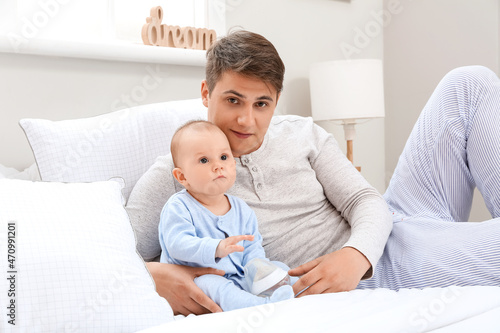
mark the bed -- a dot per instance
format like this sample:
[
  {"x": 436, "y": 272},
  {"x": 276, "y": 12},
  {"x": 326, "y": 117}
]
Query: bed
[{"x": 71, "y": 265}]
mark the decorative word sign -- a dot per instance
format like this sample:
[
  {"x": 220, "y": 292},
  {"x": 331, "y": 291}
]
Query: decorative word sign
[{"x": 155, "y": 33}]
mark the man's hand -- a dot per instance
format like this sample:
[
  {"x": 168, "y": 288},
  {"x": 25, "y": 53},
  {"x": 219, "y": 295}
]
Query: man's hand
[
  {"x": 337, "y": 271},
  {"x": 229, "y": 245},
  {"x": 176, "y": 284}
]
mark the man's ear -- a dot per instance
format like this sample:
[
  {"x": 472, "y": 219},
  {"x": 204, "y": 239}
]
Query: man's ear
[
  {"x": 204, "y": 93},
  {"x": 177, "y": 172}
]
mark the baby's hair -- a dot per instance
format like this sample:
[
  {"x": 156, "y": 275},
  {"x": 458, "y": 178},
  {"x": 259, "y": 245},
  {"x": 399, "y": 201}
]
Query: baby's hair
[{"x": 176, "y": 142}]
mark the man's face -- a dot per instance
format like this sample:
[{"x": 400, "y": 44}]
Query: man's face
[{"x": 242, "y": 107}]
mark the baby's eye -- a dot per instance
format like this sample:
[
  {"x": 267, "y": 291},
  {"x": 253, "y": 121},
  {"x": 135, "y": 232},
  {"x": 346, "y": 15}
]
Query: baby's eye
[
  {"x": 223, "y": 157},
  {"x": 204, "y": 160}
]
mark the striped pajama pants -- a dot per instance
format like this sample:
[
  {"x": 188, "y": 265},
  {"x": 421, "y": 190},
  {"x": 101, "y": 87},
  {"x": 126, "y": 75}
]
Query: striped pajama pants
[{"x": 454, "y": 147}]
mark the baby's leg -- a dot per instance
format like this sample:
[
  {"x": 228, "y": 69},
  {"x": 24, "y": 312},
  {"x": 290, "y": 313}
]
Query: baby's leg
[{"x": 231, "y": 297}]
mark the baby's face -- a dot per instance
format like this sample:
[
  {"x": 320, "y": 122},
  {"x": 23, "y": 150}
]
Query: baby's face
[{"x": 207, "y": 163}]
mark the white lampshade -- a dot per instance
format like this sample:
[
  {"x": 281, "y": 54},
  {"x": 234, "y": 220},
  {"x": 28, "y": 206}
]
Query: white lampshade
[{"x": 347, "y": 90}]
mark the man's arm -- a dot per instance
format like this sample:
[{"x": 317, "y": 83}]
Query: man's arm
[
  {"x": 362, "y": 207},
  {"x": 176, "y": 284},
  {"x": 334, "y": 272},
  {"x": 145, "y": 203}
]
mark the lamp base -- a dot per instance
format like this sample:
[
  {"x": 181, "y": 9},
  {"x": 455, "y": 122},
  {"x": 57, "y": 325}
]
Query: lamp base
[{"x": 349, "y": 153}]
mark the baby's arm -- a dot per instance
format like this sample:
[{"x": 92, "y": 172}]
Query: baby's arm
[
  {"x": 229, "y": 245},
  {"x": 179, "y": 238}
]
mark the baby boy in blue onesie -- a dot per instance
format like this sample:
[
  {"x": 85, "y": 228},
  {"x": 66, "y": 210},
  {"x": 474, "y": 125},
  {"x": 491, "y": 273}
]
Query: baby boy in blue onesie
[{"x": 201, "y": 226}]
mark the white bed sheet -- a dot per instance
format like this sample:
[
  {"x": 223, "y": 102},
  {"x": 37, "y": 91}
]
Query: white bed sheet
[
  {"x": 30, "y": 173},
  {"x": 443, "y": 310}
]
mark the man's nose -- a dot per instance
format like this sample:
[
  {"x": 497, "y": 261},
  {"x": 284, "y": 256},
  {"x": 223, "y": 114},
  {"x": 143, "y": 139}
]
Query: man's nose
[{"x": 246, "y": 117}]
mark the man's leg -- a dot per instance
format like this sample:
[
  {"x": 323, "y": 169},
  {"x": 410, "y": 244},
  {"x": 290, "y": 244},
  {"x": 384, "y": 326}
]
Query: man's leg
[
  {"x": 454, "y": 146},
  {"x": 429, "y": 253}
]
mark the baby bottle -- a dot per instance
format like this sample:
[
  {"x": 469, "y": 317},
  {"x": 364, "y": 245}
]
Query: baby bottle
[{"x": 264, "y": 277}]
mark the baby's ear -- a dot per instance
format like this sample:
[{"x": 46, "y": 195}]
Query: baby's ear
[{"x": 179, "y": 175}]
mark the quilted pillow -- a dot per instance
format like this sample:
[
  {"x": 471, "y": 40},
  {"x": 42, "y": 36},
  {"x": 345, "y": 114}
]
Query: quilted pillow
[
  {"x": 123, "y": 143},
  {"x": 70, "y": 261}
]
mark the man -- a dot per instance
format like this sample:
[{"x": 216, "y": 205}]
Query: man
[
  {"x": 242, "y": 88},
  {"x": 315, "y": 211}
]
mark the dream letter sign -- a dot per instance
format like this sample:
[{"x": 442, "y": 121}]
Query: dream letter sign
[{"x": 155, "y": 33}]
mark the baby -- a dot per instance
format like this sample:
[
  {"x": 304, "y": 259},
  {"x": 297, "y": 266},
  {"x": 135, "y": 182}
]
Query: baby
[{"x": 202, "y": 226}]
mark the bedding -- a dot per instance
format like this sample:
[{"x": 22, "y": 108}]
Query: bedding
[
  {"x": 122, "y": 143},
  {"x": 444, "y": 310},
  {"x": 30, "y": 173},
  {"x": 77, "y": 270},
  {"x": 70, "y": 261}
]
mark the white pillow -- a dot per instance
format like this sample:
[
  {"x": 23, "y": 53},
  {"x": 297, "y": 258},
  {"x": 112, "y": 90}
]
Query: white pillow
[
  {"x": 123, "y": 143},
  {"x": 74, "y": 263}
]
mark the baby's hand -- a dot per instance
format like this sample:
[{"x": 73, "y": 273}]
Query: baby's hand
[{"x": 228, "y": 245}]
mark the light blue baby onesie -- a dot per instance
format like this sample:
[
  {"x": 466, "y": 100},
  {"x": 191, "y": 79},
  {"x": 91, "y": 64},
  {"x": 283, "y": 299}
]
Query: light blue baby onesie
[{"x": 189, "y": 235}]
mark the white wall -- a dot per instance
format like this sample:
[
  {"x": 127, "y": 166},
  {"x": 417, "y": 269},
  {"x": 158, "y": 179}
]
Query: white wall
[
  {"x": 303, "y": 32},
  {"x": 64, "y": 88},
  {"x": 421, "y": 44},
  {"x": 311, "y": 31}
]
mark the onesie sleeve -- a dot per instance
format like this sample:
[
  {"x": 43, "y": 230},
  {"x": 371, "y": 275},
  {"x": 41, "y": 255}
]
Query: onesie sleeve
[{"x": 179, "y": 238}]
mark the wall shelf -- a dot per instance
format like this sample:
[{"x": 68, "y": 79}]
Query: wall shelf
[{"x": 109, "y": 51}]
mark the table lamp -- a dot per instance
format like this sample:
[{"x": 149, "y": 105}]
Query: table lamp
[{"x": 348, "y": 92}]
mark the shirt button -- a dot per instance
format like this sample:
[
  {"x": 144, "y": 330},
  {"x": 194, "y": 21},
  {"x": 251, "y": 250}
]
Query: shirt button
[
  {"x": 246, "y": 160},
  {"x": 259, "y": 186},
  {"x": 255, "y": 169}
]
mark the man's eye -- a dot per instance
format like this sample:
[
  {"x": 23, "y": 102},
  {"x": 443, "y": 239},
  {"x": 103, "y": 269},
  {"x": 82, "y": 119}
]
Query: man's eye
[
  {"x": 232, "y": 100},
  {"x": 223, "y": 157},
  {"x": 262, "y": 104},
  {"x": 204, "y": 160}
]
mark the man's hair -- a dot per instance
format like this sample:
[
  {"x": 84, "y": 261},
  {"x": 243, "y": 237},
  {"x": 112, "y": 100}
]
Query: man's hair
[
  {"x": 245, "y": 53},
  {"x": 175, "y": 143}
]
